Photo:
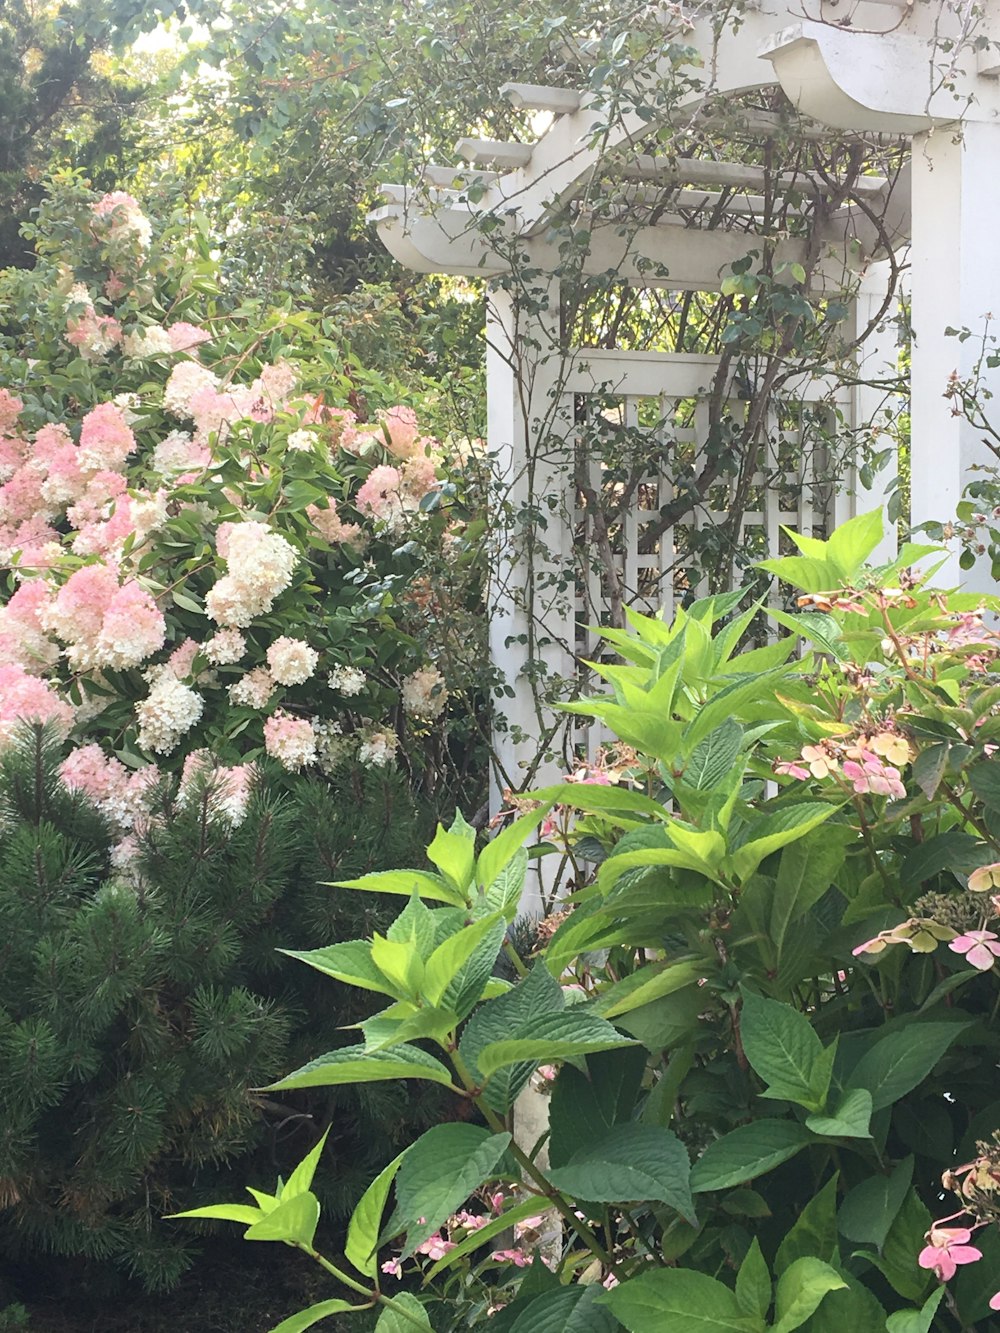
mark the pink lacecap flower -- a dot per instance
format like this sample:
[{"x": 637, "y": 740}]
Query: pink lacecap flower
[
  {"x": 548, "y": 1073},
  {"x": 516, "y": 1257},
  {"x": 393, "y": 1267},
  {"x": 789, "y": 769},
  {"x": 986, "y": 877},
  {"x": 496, "y": 1202},
  {"x": 871, "y": 775},
  {"x": 948, "y": 1248},
  {"x": 981, "y": 948},
  {"x": 435, "y": 1247}
]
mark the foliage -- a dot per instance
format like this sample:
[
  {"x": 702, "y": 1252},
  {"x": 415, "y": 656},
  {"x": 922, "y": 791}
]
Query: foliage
[
  {"x": 208, "y": 548},
  {"x": 137, "y": 1013},
  {"x": 770, "y": 1015}
]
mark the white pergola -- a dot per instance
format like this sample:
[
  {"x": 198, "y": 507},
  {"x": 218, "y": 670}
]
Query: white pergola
[{"x": 922, "y": 71}]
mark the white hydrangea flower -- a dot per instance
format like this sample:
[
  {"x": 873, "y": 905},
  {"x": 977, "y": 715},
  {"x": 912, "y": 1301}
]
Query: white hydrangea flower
[
  {"x": 292, "y": 661},
  {"x": 347, "y": 681},
  {"x": 424, "y": 694},
  {"x": 378, "y": 749},
  {"x": 254, "y": 689},
  {"x": 301, "y": 441},
  {"x": 169, "y": 711}
]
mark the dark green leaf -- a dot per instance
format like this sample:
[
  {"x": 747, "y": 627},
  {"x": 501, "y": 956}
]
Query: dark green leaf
[
  {"x": 627, "y": 1164},
  {"x": 747, "y": 1152}
]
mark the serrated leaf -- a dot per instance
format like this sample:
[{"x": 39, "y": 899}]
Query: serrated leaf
[
  {"x": 902, "y": 1059},
  {"x": 714, "y": 757},
  {"x": 800, "y": 1290},
  {"x": 629, "y": 1163},
  {"x": 538, "y": 994},
  {"x": 783, "y": 1048},
  {"x": 349, "y": 962},
  {"x": 747, "y": 1152},
  {"x": 406, "y": 882},
  {"x": 753, "y": 1283},
  {"x": 297, "y": 1323},
  {"x": 775, "y": 831},
  {"x": 355, "y": 1064},
  {"x": 392, "y": 1321},
  {"x": 301, "y": 1178},
  {"x": 446, "y": 1165},
  {"x": 453, "y": 851},
  {"x": 449, "y": 958},
  {"x": 500, "y": 851},
  {"x": 678, "y": 1300},
  {"x": 575, "y": 1309},
  {"x": 851, "y": 1119},
  {"x": 366, "y": 1221},
  {"x": 561, "y": 1036},
  {"x": 244, "y": 1213},
  {"x": 294, "y": 1221},
  {"x": 870, "y": 1208},
  {"x": 647, "y": 984},
  {"x": 916, "y": 1321}
]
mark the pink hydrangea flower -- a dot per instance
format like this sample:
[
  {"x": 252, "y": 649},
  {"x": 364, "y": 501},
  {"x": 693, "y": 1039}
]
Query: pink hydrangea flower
[
  {"x": 393, "y": 1267},
  {"x": 947, "y": 1248},
  {"x": 986, "y": 877},
  {"x": 516, "y": 1257},
  {"x": 400, "y": 426},
  {"x": 25, "y": 698},
  {"x": 106, "y": 439},
  {"x": 869, "y": 774},
  {"x": 290, "y": 740},
  {"x": 789, "y": 769},
  {"x": 981, "y": 948},
  {"x": 184, "y": 336},
  {"x": 435, "y": 1247}
]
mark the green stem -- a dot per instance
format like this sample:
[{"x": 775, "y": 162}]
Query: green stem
[
  {"x": 372, "y": 1296},
  {"x": 515, "y": 958}
]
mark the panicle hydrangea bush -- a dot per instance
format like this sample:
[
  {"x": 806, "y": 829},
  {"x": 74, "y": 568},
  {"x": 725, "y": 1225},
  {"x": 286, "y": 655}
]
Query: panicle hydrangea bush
[{"x": 214, "y": 539}]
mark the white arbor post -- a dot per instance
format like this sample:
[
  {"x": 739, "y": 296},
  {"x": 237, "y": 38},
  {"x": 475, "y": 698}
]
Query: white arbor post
[
  {"x": 532, "y": 629},
  {"x": 873, "y": 406},
  {"x": 955, "y": 284}
]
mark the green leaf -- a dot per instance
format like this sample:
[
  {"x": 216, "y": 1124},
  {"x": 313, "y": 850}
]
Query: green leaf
[
  {"x": 400, "y": 963},
  {"x": 365, "y": 1225},
  {"x": 406, "y": 882},
  {"x": 561, "y": 1036},
  {"x": 898, "y": 1260},
  {"x": 800, "y": 1290},
  {"x": 301, "y": 1178},
  {"x": 713, "y": 758},
  {"x": 445, "y": 964},
  {"x": 349, "y": 962},
  {"x": 453, "y": 851},
  {"x": 985, "y": 781},
  {"x": 501, "y": 851},
  {"x": 896, "y": 1064},
  {"x": 416, "y": 925},
  {"x": 504, "y": 893},
  {"x": 916, "y": 1321},
  {"x": 629, "y": 1163},
  {"x": 575, "y": 1309},
  {"x": 815, "y": 1231},
  {"x": 851, "y": 544},
  {"x": 775, "y": 831},
  {"x": 784, "y": 1050},
  {"x": 594, "y": 799},
  {"x": 871, "y": 1207},
  {"x": 471, "y": 981},
  {"x": 950, "y": 851},
  {"x": 225, "y": 1212},
  {"x": 294, "y": 1220},
  {"x": 747, "y": 1152},
  {"x": 391, "y": 1321},
  {"x": 296, "y": 1323},
  {"x": 354, "y": 1064},
  {"x": 647, "y": 984},
  {"x": 585, "y": 1106},
  {"x": 806, "y": 870},
  {"x": 851, "y": 1119},
  {"x": 679, "y": 1300},
  {"x": 753, "y": 1283},
  {"x": 510, "y": 1015},
  {"x": 439, "y": 1172}
]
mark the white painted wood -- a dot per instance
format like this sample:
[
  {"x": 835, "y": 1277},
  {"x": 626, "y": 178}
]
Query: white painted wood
[
  {"x": 671, "y": 256},
  {"x": 538, "y": 97},
  {"x": 459, "y": 176},
  {"x": 499, "y": 152},
  {"x": 882, "y": 82},
  {"x": 873, "y": 408},
  {"x": 955, "y": 282},
  {"x": 529, "y": 618},
  {"x": 738, "y": 175}
]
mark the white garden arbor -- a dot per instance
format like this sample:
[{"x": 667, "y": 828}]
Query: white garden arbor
[{"x": 919, "y": 73}]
